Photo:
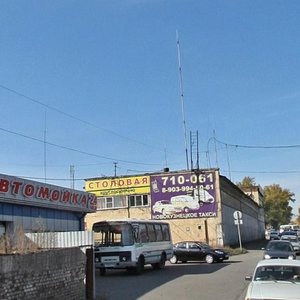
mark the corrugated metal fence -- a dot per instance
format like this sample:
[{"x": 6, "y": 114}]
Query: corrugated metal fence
[{"x": 50, "y": 240}]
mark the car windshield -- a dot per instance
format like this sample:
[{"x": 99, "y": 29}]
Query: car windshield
[
  {"x": 277, "y": 273},
  {"x": 279, "y": 247},
  {"x": 110, "y": 234}
]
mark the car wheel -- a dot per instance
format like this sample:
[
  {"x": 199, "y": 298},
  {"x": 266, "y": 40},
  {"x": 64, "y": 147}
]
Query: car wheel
[
  {"x": 161, "y": 264},
  {"x": 139, "y": 266},
  {"x": 209, "y": 259},
  {"x": 173, "y": 259},
  {"x": 102, "y": 271}
]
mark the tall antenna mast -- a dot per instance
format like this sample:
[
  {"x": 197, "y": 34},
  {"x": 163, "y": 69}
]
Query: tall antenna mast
[
  {"x": 45, "y": 147},
  {"x": 182, "y": 101}
]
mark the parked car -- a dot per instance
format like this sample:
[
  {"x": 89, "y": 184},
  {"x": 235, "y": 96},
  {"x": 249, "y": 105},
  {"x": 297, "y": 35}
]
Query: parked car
[
  {"x": 289, "y": 232},
  {"x": 197, "y": 251},
  {"x": 275, "y": 279},
  {"x": 273, "y": 235},
  {"x": 165, "y": 207},
  {"x": 294, "y": 240},
  {"x": 279, "y": 249}
]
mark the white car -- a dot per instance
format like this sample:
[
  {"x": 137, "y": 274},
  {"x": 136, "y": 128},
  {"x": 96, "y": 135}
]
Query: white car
[
  {"x": 294, "y": 240},
  {"x": 164, "y": 207},
  {"x": 185, "y": 203},
  {"x": 275, "y": 279}
]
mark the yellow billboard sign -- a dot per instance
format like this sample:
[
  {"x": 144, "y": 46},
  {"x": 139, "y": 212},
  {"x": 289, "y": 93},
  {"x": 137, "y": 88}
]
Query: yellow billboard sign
[{"x": 119, "y": 186}]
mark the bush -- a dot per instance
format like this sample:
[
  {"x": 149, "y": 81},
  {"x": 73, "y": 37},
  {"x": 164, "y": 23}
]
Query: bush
[
  {"x": 235, "y": 251},
  {"x": 16, "y": 242}
]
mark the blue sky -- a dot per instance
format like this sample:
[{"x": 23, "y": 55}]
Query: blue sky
[{"x": 98, "y": 81}]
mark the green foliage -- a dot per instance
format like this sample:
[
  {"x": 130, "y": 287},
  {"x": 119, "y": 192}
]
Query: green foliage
[
  {"x": 277, "y": 200},
  {"x": 277, "y": 208},
  {"x": 247, "y": 182},
  {"x": 298, "y": 220}
]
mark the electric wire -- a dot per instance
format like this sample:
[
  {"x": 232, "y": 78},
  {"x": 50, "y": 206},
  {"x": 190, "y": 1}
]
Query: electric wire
[
  {"x": 77, "y": 119},
  {"x": 74, "y": 150},
  {"x": 256, "y": 146}
]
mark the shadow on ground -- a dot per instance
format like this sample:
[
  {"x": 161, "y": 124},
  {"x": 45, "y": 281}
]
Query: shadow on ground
[{"x": 256, "y": 245}]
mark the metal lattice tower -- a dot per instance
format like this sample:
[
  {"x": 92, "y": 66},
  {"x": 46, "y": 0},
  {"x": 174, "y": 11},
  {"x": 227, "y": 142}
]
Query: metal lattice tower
[{"x": 194, "y": 145}]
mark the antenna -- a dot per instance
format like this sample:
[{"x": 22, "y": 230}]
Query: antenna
[
  {"x": 217, "y": 164},
  {"x": 182, "y": 101},
  {"x": 115, "y": 167},
  {"x": 194, "y": 144},
  {"x": 45, "y": 147},
  {"x": 72, "y": 179}
]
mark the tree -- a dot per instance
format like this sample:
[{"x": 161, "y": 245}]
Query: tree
[
  {"x": 298, "y": 220},
  {"x": 277, "y": 208},
  {"x": 247, "y": 182}
]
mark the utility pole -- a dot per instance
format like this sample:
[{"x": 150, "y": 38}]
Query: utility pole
[
  {"x": 115, "y": 168},
  {"x": 72, "y": 172}
]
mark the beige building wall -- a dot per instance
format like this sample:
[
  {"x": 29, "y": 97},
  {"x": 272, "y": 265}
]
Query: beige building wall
[{"x": 205, "y": 230}]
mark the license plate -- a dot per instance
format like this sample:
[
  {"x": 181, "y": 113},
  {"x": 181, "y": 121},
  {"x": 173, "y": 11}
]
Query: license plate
[{"x": 110, "y": 260}]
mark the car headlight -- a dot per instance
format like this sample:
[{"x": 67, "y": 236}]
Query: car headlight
[
  {"x": 291, "y": 257},
  {"x": 219, "y": 252},
  {"x": 267, "y": 256}
]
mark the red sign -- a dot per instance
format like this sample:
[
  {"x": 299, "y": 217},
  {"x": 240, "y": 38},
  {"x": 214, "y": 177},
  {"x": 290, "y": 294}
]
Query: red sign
[{"x": 40, "y": 194}]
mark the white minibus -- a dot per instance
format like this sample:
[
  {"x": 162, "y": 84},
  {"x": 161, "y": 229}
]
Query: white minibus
[{"x": 131, "y": 244}]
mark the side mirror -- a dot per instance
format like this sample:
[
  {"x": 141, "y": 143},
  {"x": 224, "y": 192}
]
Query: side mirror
[{"x": 248, "y": 277}]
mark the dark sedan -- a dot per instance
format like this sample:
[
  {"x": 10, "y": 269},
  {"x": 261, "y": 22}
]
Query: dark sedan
[
  {"x": 279, "y": 249},
  {"x": 197, "y": 251}
]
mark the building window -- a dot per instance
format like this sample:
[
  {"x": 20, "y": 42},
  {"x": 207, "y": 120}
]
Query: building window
[
  {"x": 111, "y": 202},
  {"x": 138, "y": 200}
]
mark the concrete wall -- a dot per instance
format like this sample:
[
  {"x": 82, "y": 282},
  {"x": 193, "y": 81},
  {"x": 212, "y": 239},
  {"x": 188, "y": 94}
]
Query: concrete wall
[
  {"x": 234, "y": 199},
  {"x": 54, "y": 274}
]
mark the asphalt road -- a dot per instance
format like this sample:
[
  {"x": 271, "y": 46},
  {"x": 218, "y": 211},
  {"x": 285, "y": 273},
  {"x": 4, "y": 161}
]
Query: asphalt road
[{"x": 182, "y": 281}]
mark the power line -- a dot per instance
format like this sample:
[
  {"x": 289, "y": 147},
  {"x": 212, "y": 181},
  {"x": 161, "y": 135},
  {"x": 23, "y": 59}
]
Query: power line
[
  {"x": 266, "y": 172},
  {"x": 74, "y": 150},
  {"x": 50, "y": 179},
  {"x": 257, "y": 147},
  {"x": 76, "y": 118},
  {"x": 145, "y": 172}
]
